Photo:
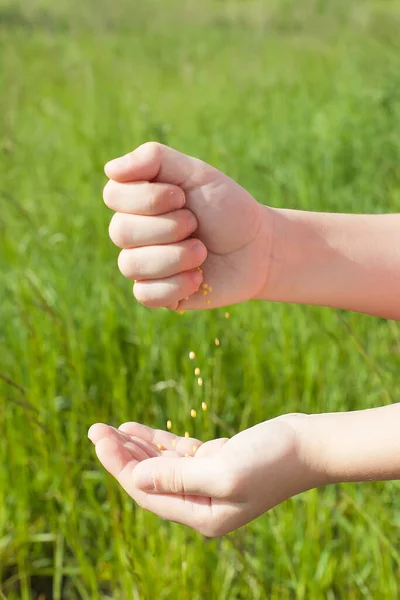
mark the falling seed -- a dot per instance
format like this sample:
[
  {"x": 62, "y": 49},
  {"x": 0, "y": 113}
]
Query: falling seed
[
  {"x": 193, "y": 413},
  {"x": 204, "y": 286},
  {"x": 209, "y": 288},
  {"x": 197, "y": 371},
  {"x": 200, "y": 381},
  {"x": 227, "y": 315},
  {"x": 205, "y": 292},
  {"x": 173, "y": 443},
  {"x": 192, "y": 355},
  {"x": 204, "y": 406},
  {"x": 217, "y": 342},
  {"x": 181, "y": 311},
  {"x": 187, "y": 434},
  {"x": 169, "y": 425},
  {"x": 199, "y": 269},
  {"x": 159, "y": 446},
  {"x": 194, "y": 449},
  {"x": 208, "y": 301}
]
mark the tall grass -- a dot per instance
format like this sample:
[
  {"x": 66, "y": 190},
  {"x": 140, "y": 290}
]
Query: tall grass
[{"x": 301, "y": 104}]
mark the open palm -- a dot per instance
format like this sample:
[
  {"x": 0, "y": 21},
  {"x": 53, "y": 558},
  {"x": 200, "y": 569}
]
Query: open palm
[{"x": 213, "y": 487}]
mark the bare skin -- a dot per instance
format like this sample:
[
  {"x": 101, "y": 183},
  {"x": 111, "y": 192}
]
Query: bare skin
[
  {"x": 175, "y": 213},
  {"x": 181, "y": 223},
  {"x": 228, "y": 483}
]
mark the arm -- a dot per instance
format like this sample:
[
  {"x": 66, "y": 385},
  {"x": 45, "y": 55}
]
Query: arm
[
  {"x": 353, "y": 446},
  {"x": 343, "y": 261},
  {"x": 222, "y": 484},
  {"x": 191, "y": 215}
]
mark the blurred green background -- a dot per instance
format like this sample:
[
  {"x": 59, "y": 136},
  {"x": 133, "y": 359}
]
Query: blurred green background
[{"x": 298, "y": 101}]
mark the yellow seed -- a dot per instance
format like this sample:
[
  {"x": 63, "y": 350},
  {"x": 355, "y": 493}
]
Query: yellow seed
[
  {"x": 208, "y": 301},
  {"x": 159, "y": 446},
  {"x": 192, "y": 355},
  {"x": 204, "y": 406},
  {"x": 200, "y": 381},
  {"x": 204, "y": 286},
  {"x": 181, "y": 311},
  {"x": 217, "y": 342},
  {"x": 227, "y": 315},
  {"x": 169, "y": 425},
  {"x": 194, "y": 449},
  {"x": 197, "y": 371},
  {"x": 187, "y": 434},
  {"x": 205, "y": 292},
  {"x": 187, "y": 455},
  {"x": 199, "y": 269},
  {"x": 209, "y": 288},
  {"x": 193, "y": 413},
  {"x": 173, "y": 443}
]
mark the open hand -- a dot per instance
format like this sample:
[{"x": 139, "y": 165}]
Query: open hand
[{"x": 214, "y": 487}]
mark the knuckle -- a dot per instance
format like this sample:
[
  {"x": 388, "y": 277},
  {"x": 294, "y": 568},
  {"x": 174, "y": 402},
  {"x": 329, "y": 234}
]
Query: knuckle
[
  {"x": 152, "y": 148},
  {"x": 190, "y": 222},
  {"x": 153, "y": 198},
  {"x": 176, "y": 482}
]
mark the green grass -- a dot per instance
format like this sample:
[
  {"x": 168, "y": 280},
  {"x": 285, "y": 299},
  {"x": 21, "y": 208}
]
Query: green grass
[{"x": 300, "y": 102}]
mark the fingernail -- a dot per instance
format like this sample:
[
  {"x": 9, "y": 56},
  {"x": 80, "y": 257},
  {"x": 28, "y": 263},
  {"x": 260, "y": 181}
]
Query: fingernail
[
  {"x": 143, "y": 479},
  {"x": 118, "y": 164},
  {"x": 199, "y": 249},
  {"x": 178, "y": 199},
  {"x": 197, "y": 278}
]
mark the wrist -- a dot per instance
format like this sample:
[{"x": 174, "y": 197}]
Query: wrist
[
  {"x": 302, "y": 261},
  {"x": 310, "y": 451}
]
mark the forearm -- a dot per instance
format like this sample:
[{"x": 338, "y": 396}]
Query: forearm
[
  {"x": 343, "y": 261},
  {"x": 352, "y": 446}
]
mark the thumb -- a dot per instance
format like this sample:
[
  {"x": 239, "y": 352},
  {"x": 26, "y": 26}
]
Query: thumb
[
  {"x": 198, "y": 476},
  {"x": 152, "y": 161}
]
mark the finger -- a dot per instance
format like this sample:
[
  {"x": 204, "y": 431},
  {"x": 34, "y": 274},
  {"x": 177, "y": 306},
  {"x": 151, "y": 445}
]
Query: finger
[
  {"x": 190, "y": 476},
  {"x": 190, "y": 510},
  {"x": 167, "y": 440},
  {"x": 153, "y": 161},
  {"x": 139, "y": 448},
  {"x": 143, "y": 197},
  {"x": 115, "y": 458},
  {"x": 159, "y": 262},
  {"x": 100, "y": 430},
  {"x": 160, "y": 293},
  {"x": 129, "y": 231},
  {"x": 211, "y": 448}
]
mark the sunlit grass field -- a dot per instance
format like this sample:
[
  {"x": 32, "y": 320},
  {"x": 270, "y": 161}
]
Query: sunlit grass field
[{"x": 300, "y": 102}]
